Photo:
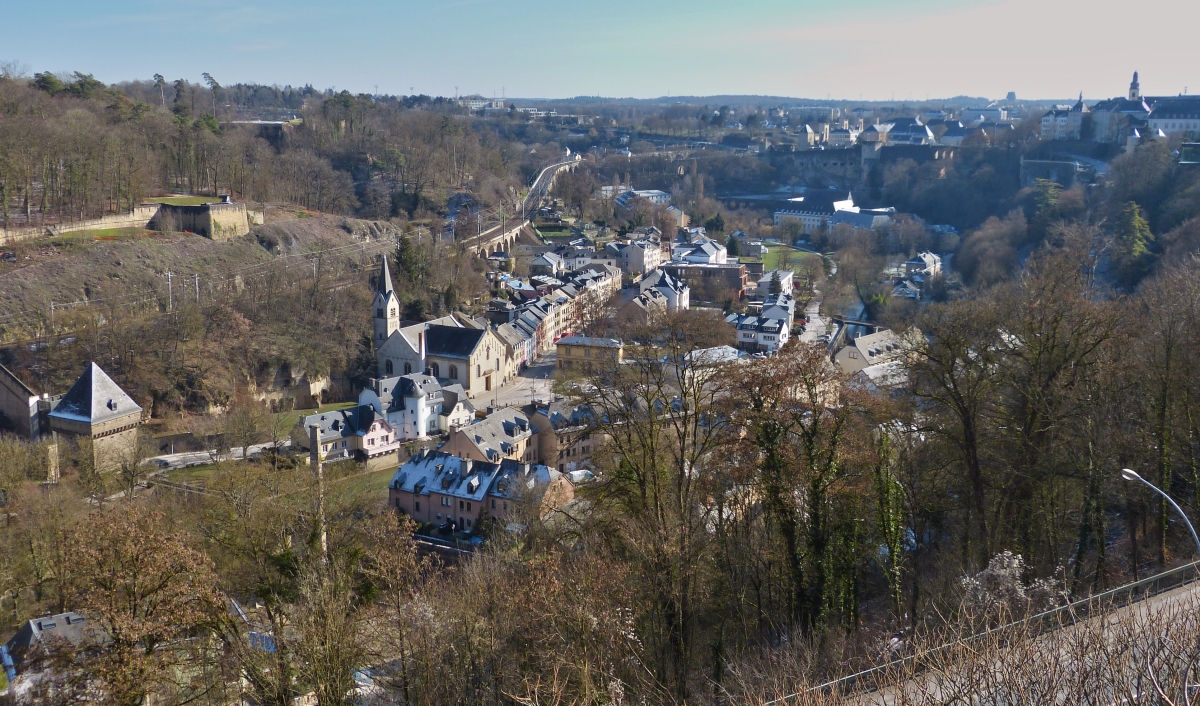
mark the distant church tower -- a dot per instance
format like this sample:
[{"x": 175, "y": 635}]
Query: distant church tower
[
  {"x": 1135, "y": 89},
  {"x": 386, "y": 304}
]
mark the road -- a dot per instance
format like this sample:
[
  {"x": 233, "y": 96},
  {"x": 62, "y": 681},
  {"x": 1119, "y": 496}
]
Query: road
[
  {"x": 533, "y": 385},
  {"x": 817, "y": 326},
  {"x": 167, "y": 462}
]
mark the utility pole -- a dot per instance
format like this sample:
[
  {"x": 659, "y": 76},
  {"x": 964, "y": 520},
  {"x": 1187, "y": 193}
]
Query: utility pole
[
  {"x": 170, "y": 292},
  {"x": 314, "y": 455}
]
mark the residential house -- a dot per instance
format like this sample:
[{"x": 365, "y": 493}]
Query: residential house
[
  {"x": 442, "y": 489},
  {"x": 875, "y": 348},
  {"x": 566, "y": 435},
  {"x": 417, "y": 405},
  {"x": 584, "y": 352},
  {"x": 358, "y": 432},
  {"x": 785, "y": 278},
  {"x": 926, "y": 264},
  {"x": 518, "y": 347},
  {"x": 637, "y": 257},
  {"x": 526, "y": 487},
  {"x": 729, "y": 277},
  {"x": 1065, "y": 122},
  {"x": 439, "y": 487},
  {"x": 704, "y": 251},
  {"x": 645, "y": 308},
  {"x": 676, "y": 292},
  {"x": 759, "y": 333},
  {"x": 505, "y": 433},
  {"x": 548, "y": 263},
  {"x": 39, "y": 641}
]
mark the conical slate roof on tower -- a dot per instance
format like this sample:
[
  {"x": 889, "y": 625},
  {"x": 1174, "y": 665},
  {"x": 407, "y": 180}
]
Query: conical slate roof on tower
[
  {"x": 384, "y": 285},
  {"x": 94, "y": 398}
]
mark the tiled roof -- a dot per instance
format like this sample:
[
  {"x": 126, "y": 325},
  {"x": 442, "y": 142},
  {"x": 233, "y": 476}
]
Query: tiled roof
[{"x": 95, "y": 398}]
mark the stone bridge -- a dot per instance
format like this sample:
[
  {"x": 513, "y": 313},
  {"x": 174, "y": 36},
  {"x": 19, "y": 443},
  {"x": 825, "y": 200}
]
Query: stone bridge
[{"x": 501, "y": 238}]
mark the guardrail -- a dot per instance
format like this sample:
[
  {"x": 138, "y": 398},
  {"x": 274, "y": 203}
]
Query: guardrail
[{"x": 1042, "y": 623}]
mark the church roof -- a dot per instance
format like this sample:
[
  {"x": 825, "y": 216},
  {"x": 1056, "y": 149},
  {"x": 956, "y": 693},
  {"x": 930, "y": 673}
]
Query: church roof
[
  {"x": 450, "y": 342},
  {"x": 95, "y": 399},
  {"x": 384, "y": 285}
]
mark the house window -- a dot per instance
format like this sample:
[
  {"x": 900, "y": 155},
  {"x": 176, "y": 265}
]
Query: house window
[
  {"x": 437, "y": 371},
  {"x": 853, "y": 354},
  {"x": 379, "y": 313},
  {"x": 416, "y": 506},
  {"x": 388, "y": 367},
  {"x": 439, "y": 515},
  {"x": 393, "y": 312},
  {"x": 460, "y": 504},
  {"x": 408, "y": 368},
  {"x": 468, "y": 507},
  {"x": 478, "y": 370},
  {"x": 453, "y": 372},
  {"x": 324, "y": 447},
  {"x": 493, "y": 503},
  {"x": 468, "y": 522}
]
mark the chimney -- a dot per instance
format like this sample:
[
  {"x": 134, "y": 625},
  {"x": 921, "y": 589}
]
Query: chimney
[
  {"x": 421, "y": 345},
  {"x": 226, "y": 198}
]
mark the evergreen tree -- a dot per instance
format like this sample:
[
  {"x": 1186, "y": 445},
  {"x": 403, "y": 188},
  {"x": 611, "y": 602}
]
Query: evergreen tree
[
  {"x": 776, "y": 285},
  {"x": 409, "y": 262},
  {"x": 1133, "y": 237},
  {"x": 732, "y": 246}
]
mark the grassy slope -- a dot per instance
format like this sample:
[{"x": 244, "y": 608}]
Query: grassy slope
[{"x": 183, "y": 200}]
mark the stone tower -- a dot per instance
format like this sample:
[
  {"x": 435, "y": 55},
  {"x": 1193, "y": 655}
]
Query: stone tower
[
  {"x": 386, "y": 305},
  {"x": 1135, "y": 89}
]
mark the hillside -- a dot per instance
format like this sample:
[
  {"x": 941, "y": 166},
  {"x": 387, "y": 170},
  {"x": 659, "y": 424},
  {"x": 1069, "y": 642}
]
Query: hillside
[
  {"x": 293, "y": 294},
  {"x": 127, "y": 268}
]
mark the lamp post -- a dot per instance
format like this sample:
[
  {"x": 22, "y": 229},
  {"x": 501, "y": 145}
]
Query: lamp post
[{"x": 1130, "y": 474}]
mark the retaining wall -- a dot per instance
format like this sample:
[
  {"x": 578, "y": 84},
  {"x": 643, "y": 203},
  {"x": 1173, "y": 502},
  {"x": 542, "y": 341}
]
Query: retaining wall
[
  {"x": 19, "y": 404},
  {"x": 139, "y": 217},
  {"x": 218, "y": 221}
]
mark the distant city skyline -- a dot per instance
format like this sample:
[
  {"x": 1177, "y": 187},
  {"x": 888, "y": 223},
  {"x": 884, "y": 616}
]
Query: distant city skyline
[{"x": 857, "y": 50}]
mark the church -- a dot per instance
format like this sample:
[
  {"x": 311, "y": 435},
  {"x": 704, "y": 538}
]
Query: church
[{"x": 452, "y": 349}]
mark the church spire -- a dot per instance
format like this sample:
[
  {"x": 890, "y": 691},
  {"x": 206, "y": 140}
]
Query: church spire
[
  {"x": 384, "y": 285},
  {"x": 1135, "y": 88}
]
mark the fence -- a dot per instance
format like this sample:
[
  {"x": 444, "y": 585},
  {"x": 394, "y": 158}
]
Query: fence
[{"x": 1042, "y": 623}]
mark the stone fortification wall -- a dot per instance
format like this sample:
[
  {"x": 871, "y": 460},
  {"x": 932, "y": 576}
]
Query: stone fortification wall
[
  {"x": 18, "y": 403},
  {"x": 139, "y": 217},
  {"x": 218, "y": 221}
]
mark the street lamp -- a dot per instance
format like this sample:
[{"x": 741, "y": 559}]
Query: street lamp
[{"x": 1130, "y": 474}]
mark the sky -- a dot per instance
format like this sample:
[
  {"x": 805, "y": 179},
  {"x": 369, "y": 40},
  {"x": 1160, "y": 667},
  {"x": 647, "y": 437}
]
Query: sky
[{"x": 841, "y": 49}]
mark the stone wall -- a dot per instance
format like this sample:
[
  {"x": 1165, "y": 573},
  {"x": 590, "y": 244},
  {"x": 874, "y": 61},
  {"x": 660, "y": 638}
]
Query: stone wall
[
  {"x": 18, "y": 403},
  {"x": 139, "y": 217},
  {"x": 217, "y": 221}
]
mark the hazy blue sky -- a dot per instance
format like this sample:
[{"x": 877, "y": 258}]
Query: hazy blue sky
[{"x": 642, "y": 48}]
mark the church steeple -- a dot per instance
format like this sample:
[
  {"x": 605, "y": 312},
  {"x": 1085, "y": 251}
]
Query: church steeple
[
  {"x": 384, "y": 285},
  {"x": 386, "y": 305},
  {"x": 1135, "y": 88}
]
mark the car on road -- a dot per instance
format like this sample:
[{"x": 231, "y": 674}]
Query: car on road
[{"x": 162, "y": 463}]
